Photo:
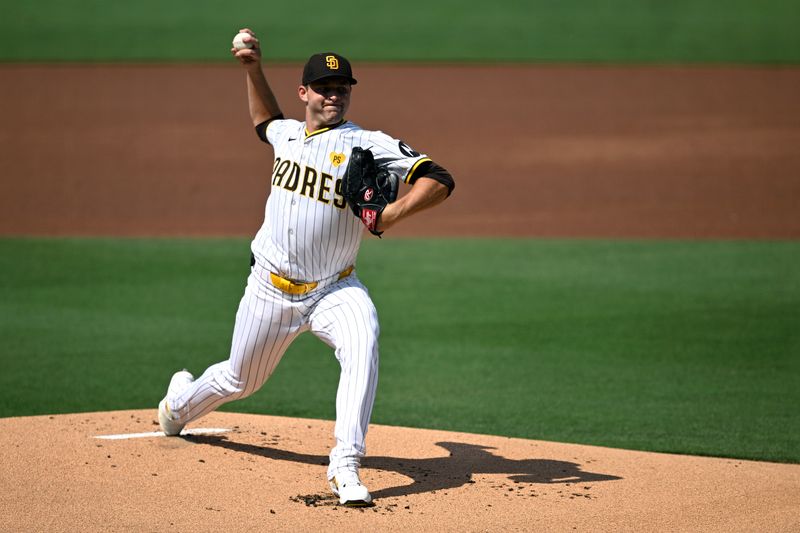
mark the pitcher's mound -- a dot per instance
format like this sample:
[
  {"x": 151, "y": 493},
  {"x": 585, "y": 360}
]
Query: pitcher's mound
[{"x": 262, "y": 473}]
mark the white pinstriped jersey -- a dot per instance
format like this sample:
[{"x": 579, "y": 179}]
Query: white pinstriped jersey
[{"x": 309, "y": 233}]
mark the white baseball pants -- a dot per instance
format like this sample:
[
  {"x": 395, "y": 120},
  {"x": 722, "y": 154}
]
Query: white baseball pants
[{"x": 341, "y": 314}]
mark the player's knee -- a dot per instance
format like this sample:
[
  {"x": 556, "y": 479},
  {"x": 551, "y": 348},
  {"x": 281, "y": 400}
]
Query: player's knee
[
  {"x": 369, "y": 347},
  {"x": 232, "y": 384},
  {"x": 359, "y": 349}
]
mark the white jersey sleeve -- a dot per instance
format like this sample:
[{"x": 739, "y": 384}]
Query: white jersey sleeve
[
  {"x": 277, "y": 130},
  {"x": 395, "y": 155}
]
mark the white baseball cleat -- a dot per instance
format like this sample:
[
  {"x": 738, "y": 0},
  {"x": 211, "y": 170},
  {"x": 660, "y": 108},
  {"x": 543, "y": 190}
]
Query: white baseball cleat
[
  {"x": 350, "y": 491},
  {"x": 178, "y": 383},
  {"x": 169, "y": 426}
]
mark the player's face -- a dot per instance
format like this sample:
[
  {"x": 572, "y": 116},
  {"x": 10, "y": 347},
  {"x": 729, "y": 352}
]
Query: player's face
[{"x": 326, "y": 100}]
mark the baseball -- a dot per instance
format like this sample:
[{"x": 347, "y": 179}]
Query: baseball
[{"x": 239, "y": 42}]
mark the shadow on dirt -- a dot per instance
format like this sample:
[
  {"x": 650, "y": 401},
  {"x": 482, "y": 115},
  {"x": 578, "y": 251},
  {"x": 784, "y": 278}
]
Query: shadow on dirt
[{"x": 438, "y": 473}]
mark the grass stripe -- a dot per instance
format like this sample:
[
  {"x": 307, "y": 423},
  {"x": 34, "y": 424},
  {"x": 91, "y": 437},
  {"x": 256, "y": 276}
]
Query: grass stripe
[{"x": 737, "y": 31}]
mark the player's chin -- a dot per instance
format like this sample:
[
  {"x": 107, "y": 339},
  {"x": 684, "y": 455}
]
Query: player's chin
[{"x": 333, "y": 113}]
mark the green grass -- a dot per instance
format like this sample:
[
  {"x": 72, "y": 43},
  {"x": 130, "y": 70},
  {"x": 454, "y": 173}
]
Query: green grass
[
  {"x": 737, "y": 31},
  {"x": 688, "y": 347}
]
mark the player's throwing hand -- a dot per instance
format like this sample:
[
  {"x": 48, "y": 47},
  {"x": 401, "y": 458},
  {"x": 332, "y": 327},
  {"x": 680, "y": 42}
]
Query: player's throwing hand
[{"x": 246, "y": 48}]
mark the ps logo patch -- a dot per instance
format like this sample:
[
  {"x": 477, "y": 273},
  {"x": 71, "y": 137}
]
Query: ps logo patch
[
  {"x": 332, "y": 62},
  {"x": 337, "y": 159}
]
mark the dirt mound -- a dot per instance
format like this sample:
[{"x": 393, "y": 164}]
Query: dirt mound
[{"x": 251, "y": 472}]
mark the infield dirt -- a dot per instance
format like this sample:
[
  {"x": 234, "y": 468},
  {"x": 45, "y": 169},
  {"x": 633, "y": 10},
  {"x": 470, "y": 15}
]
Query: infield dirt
[
  {"x": 679, "y": 152},
  {"x": 268, "y": 474}
]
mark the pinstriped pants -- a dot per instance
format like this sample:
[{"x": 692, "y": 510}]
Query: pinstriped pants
[{"x": 341, "y": 314}]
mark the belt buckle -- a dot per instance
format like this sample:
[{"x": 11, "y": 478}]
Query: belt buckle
[{"x": 289, "y": 286}]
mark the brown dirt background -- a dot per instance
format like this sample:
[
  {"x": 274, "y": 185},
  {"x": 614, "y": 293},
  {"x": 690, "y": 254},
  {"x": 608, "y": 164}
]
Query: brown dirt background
[
  {"x": 553, "y": 151},
  {"x": 559, "y": 151}
]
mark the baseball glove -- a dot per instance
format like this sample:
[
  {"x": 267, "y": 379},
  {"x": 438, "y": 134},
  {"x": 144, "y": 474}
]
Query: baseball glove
[{"x": 367, "y": 188}]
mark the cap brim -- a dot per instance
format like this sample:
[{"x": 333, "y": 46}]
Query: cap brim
[{"x": 352, "y": 81}]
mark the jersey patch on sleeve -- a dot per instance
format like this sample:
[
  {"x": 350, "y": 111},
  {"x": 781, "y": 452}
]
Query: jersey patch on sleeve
[{"x": 406, "y": 150}]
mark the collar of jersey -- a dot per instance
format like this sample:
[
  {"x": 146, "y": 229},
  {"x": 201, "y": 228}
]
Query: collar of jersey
[{"x": 323, "y": 130}]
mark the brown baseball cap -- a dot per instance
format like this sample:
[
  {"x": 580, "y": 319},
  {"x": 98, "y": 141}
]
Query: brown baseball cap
[{"x": 327, "y": 65}]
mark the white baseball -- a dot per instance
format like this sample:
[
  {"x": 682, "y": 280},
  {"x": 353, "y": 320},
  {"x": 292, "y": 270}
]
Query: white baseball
[{"x": 239, "y": 42}]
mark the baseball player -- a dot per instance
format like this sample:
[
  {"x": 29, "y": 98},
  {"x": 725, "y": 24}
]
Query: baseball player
[{"x": 330, "y": 180}]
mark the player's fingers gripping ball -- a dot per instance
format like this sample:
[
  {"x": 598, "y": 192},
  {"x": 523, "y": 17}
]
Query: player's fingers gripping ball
[
  {"x": 243, "y": 40},
  {"x": 368, "y": 189}
]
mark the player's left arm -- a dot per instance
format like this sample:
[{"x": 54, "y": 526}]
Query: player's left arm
[{"x": 429, "y": 190}]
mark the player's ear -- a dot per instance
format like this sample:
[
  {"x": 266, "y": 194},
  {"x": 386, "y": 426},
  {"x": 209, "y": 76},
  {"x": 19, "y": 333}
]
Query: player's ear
[{"x": 302, "y": 92}]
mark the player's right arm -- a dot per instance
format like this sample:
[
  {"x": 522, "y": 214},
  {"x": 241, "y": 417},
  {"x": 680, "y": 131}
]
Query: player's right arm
[{"x": 263, "y": 104}]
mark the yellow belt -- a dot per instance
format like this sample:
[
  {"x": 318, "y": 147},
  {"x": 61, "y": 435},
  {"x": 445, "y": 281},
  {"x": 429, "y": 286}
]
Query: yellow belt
[{"x": 294, "y": 287}]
